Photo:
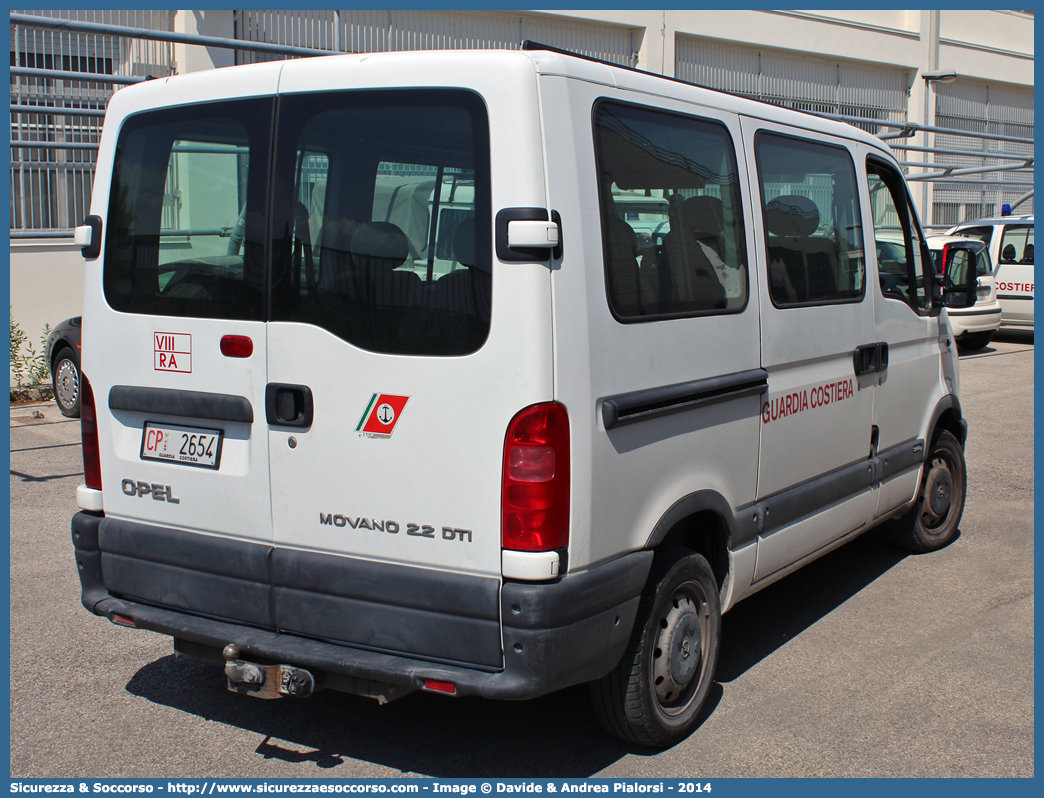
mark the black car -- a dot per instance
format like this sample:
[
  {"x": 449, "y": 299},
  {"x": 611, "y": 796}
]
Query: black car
[{"x": 63, "y": 356}]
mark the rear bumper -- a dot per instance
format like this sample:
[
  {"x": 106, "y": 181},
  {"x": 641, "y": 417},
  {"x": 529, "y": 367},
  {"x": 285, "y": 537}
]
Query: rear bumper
[
  {"x": 979, "y": 318},
  {"x": 553, "y": 634}
]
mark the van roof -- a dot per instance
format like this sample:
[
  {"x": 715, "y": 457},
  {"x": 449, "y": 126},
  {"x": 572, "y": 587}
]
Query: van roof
[
  {"x": 546, "y": 61},
  {"x": 629, "y": 78},
  {"x": 995, "y": 220}
]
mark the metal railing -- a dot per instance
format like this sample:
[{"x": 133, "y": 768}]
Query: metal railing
[
  {"x": 56, "y": 113},
  {"x": 56, "y": 117}
]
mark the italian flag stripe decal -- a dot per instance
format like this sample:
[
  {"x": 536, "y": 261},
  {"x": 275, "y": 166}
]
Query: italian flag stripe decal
[{"x": 366, "y": 412}]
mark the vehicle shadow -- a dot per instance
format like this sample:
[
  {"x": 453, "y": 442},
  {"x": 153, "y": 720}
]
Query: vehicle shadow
[
  {"x": 1011, "y": 335},
  {"x": 553, "y": 736},
  {"x": 768, "y": 620},
  {"x": 435, "y": 736},
  {"x": 1004, "y": 336}
]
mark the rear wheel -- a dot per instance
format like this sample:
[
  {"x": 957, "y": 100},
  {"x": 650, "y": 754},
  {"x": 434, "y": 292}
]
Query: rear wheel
[
  {"x": 932, "y": 523},
  {"x": 65, "y": 378},
  {"x": 655, "y": 694}
]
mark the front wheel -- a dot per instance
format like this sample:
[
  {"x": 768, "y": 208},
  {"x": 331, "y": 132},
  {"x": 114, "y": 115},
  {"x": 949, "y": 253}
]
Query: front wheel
[
  {"x": 655, "y": 694},
  {"x": 932, "y": 523}
]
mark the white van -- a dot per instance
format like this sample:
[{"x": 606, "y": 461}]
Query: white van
[
  {"x": 450, "y": 424},
  {"x": 973, "y": 328},
  {"x": 1010, "y": 242}
]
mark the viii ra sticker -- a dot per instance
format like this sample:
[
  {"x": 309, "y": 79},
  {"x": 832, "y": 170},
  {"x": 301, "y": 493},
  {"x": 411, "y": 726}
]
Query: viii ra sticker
[
  {"x": 172, "y": 351},
  {"x": 381, "y": 415}
]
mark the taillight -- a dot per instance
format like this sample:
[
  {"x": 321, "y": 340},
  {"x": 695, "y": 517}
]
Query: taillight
[
  {"x": 89, "y": 435},
  {"x": 535, "y": 492},
  {"x": 945, "y": 252}
]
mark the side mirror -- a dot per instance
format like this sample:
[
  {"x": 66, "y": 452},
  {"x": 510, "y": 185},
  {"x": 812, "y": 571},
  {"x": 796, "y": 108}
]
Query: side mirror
[{"x": 960, "y": 284}]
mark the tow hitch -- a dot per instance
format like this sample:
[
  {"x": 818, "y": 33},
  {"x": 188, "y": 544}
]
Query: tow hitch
[{"x": 265, "y": 681}]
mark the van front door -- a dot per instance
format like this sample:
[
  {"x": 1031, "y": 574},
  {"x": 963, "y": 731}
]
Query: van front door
[
  {"x": 818, "y": 346},
  {"x": 906, "y": 322}
]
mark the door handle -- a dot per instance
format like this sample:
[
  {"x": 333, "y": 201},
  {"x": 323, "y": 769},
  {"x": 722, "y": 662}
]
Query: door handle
[
  {"x": 870, "y": 358},
  {"x": 288, "y": 405}
]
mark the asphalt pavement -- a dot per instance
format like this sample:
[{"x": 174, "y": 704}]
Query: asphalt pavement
[{"x": 868, "y": 662}]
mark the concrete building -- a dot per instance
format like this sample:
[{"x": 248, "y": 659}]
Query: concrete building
[{"x": 880, "y": 65}]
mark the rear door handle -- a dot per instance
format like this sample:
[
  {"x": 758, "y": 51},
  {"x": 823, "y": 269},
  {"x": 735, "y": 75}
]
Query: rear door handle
[{"x": 288, "y": 405}]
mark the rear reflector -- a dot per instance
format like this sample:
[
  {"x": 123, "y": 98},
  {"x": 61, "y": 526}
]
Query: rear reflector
[
  {"x": 122, "y": 620},
  {"x": 236, "y": 346},
  {"x": 89, "y": 436},
  {"x": 442, "y": 687}
]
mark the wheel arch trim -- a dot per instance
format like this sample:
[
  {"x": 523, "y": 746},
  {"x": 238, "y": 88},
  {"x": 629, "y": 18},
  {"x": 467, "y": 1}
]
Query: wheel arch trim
[
  {"x": 947, "y": 404},
  {"x": 57, "y": 347},
  {"x": 711, "y": 501}
]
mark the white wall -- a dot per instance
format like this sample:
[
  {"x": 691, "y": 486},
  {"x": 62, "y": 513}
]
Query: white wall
[
  {"x": 192, "y": 58},
  {"x": 46, "y": 284},
  {"x": 981, "y": 45}
]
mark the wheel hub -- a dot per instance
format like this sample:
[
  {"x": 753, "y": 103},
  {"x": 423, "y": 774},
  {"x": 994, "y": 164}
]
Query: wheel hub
[
  {"x": 938, "y": 493},
  {"x": 68, "y": 387},
  {"x": 679, "y": 650}
]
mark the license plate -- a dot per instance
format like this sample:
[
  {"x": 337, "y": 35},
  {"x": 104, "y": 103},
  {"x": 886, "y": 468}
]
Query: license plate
[{"x": 193, "y": 446}]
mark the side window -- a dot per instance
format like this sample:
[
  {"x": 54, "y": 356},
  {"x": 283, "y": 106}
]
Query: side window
[
  {"x": 980, "y": 233},
  {"x": 813, "y": 234},
  {"x": 961, "y": 256},
  {"x": 904, "y": 272},
  {"x": 182, "y": 240},
  {"x": 958, "y": 273},
  {"x": 382, "y": 209},
  {"x": 1017, "y": 245},
  {"x": 672, "y": 226}
]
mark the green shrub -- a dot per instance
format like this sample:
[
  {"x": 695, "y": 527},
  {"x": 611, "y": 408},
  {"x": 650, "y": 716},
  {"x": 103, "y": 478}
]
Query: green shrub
[{"x": 28, "y": 366}]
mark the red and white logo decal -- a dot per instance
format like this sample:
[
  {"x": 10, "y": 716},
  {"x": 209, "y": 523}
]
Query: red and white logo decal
[
  {"x": 382, "y": 414},
  {"x": 172, "y": 351}
]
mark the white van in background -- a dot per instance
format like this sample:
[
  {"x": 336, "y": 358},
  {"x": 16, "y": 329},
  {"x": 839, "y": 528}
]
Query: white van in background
[
  {"x": 974, "y": 327},
  {"x": 1010, "y": 241},
  {"x": 492, "y": 373}
]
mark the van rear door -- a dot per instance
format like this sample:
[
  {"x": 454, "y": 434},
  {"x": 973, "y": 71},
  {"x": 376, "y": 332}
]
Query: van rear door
[
  {"x": 391, "y": 385},
  {"x": 377, "y": 326},
  {"x": 174, "y": 337}
]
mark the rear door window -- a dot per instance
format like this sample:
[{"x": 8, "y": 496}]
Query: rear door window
[
  {"x": 186, "y": 220},
  {"x": 382, "y": 219}
]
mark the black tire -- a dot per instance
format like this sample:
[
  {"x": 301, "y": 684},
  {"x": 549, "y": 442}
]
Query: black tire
[
  {"x": 972, "y": 341},
  {"x": 65, "y": 378},
  {"x": 932, "y": 523},
  {"x": 655, "y": 694}
]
